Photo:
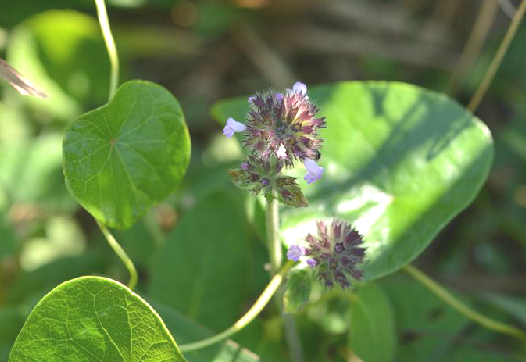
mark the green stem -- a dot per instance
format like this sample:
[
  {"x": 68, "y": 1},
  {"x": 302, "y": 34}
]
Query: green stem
[
  {"x": 484, "y": 85},
  {"x": 463, "y": 308},
  {"x": 273, "y": 242},
  {"x": 274, "y": 246},
  {"x": 110, "y": 45},
  {"x": 247, "y": 318},
  {"x": 117, "y": 248}
]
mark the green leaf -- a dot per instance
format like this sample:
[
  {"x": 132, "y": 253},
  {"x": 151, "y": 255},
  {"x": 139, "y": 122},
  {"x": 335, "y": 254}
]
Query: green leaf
[
  {"x": 426, "y": 325},
  {"x": 94, "y": 319},
  {"x": 471, "y": 354},
  {"x": 298, "y": 290},
  {"x": 23, "y": 167},
  {"x": 373, "y": 336},
  {"x": 400, "y": 162},
  {"x": 127, "y": 155},
  {"x": 211, "y": 243}
]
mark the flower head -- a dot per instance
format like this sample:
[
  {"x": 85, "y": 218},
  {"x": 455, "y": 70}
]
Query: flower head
[
  {"x": 233, "y": 126},
  {"x": 335, "y": 253},
  {"x": 257, "y": 176},
  {"x": 283, "y": 125},
  {"x": 314, "y": 172}
]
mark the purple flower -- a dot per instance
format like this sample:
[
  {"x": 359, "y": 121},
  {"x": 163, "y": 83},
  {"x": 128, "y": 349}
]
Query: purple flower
[
  {"x": 300, "y": 88},
  {"x": 283, "y": 125},
  {"x": 314, "y": 172},
  {"x": 335, "y": 253},
  {"x": 251, "y": 99},
  {"x": 233, "y": 126},
  {"x": 295, "y": 252}
]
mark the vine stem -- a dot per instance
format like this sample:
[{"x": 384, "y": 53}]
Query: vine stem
[
  {"x": 462, "y": 308},
  {"x": 495, "y": 63},
  {"x": 248, "y": 317},
  {"x": 117, "y": 248},
  {"x": 114, "y": 79},
  {"x": 110, "y": 45}
]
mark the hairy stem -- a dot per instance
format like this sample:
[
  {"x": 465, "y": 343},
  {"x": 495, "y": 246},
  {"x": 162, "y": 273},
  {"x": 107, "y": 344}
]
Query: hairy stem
[
  {"x": 274, "y": 246},
  {"x": 495, "y": 63},
  {"x": 462, "y": 308},
  {"x": 273, "y": 242},
  {"x": 117, "y": 248},
  {"x": 247, "y": 318},
  {"x": 110, "y": 45}
]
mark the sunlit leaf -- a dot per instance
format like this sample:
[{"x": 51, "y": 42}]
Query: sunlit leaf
[
  {"x": 400, "y": 162},
  {"x": 127, "y": 155},
  {"x": 94, "y": 319}
]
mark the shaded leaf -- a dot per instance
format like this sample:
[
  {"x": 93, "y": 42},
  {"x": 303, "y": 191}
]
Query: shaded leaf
[
  {"x": 426, "y": 325},
  {"x": 188, "y": 331},
  {"x": 373, "y": 335},
  {"x": 211, "y": 242}
]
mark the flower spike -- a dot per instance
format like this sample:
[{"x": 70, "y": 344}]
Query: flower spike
[{"x": 334, "y": 253}]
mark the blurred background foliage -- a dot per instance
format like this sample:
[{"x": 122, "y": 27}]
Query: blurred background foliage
[{"x": 206, "y": 50}]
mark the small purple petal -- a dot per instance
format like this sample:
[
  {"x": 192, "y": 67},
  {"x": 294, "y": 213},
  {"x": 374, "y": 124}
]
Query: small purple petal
[
  {"x": 314, "y": 172},
  {"x": 311, "y": 263},
  {"x": 300, "y": 88},
  {"x": 265, "y": 182},
  {"x": 244, "y": 166},
  {"x": 279, "y": 97},
  {"x": 295, "y": 252},
  {"x": 251, "y": 99},
  {"x": 233, "y": 126}
]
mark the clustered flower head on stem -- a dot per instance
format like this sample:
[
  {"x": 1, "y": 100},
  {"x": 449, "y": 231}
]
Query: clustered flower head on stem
[
  {"x": 281, "y": 128},
  {"x": 334, "y": 253}
]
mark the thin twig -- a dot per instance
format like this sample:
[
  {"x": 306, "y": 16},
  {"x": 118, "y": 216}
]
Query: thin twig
[
  {"x": 462, "y": 308},
  {"x": 471, "y": 51},
  {"x": 484, "y": 85}
]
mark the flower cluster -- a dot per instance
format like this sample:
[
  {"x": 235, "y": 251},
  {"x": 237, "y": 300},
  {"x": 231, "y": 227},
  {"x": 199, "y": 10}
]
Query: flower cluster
[
  {"x": 280, "y": 129},
  {"x": 334, "y": 253}
]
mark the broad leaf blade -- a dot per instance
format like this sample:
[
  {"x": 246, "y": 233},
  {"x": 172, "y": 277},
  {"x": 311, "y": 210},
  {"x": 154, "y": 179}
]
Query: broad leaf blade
[
  {"x": 373, "y": 336},
  {"x": 400, "y": 162},
  {"x": 127, "y": 155},
  {"x": 426, "y": 325},
  {"x": 94, "y": 319},
  {"x": 204, "y": 270}
]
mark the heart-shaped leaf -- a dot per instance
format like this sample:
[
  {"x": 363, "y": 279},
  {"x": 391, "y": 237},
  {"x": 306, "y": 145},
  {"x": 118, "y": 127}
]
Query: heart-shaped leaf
[
  {"x": 127, "y": 155},
  {"x": 94, "y": 319},
  {"x": 400, "y": 162}
]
